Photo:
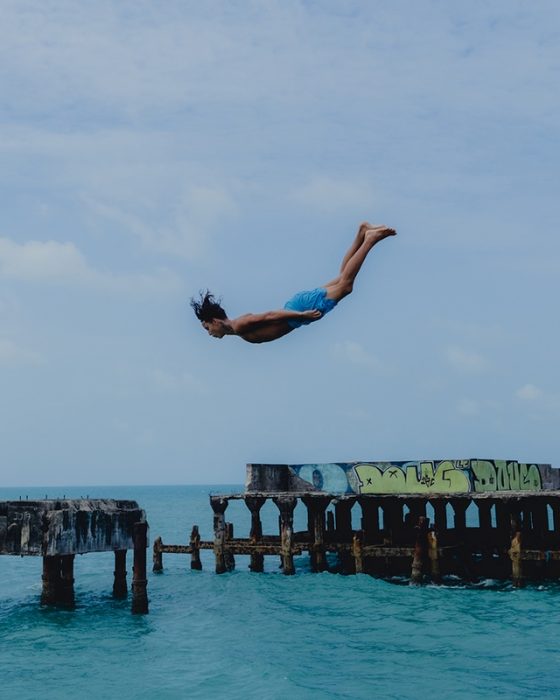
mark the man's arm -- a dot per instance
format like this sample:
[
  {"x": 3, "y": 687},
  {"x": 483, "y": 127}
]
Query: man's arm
[{"x": 249, "y": 322}]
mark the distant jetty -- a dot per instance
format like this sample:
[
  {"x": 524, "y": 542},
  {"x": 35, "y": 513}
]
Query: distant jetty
[{"x": 427, "y": 519}]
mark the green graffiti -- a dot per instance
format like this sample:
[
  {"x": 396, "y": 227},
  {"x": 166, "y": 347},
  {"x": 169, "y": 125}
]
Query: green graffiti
[
  {"x": 423, "y": 477},
  {"x": 499, "y": 475}
]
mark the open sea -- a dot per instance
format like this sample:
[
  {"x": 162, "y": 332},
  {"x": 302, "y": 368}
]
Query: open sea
[{"x": 245, "y": 635}]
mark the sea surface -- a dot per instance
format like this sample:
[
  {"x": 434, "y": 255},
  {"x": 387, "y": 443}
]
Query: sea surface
[{"x": 246, "y": 635}]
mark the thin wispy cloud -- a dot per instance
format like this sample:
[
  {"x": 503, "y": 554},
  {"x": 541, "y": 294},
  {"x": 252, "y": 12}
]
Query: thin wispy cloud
[
  {"x": 13, "y": 354},
  {"x": 197, "y": 214},
  {"x": 165, "y": 381},
  {"x": 468, "y": 407},
  {"x": 355, "y": 353},
  {"x": 529, "y": 392},
  {"x": 327, "y": 194},
  {"x": 56, "y": 263},
  {"x": 465, "y": 360}
]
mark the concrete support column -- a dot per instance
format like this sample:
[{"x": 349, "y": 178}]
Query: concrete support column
[
  {"x": 51, "y": 580},
  {"x": 370, "y": 518},
  {"x": 120, "y": 588},
  {"x": 219, "y": 506},
  {"x": 66, "y": 589},
  {"x": 440, "y": 514},
  {"x": 139, "y": 580},
  {"x": 316, "y": 507},
  {"x": 286, "y": 506},
  {"x": 254, "y": 504},
  {"x": 343, "y": 517},
  {"x": 485, "y": 524}
]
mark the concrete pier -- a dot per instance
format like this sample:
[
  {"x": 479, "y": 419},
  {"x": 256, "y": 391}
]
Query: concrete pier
[
  {"x": 423, "y": 520},
  {"x": 58, "y": 529}
]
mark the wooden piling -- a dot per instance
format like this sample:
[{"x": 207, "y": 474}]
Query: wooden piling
[
  {"x": 357, "y": 541},
  {"x": 229, "y": 557},
  {"x": 219, "y": 506},
  {"x": 196, "y": 564},
  {"x": 515, "y": 555},
  {"x": 254, "y": 504},
  {"x": 286, "y": 506},
  {"x": 139, "y": 579},
  {"x": 433, "y": 556},
  {"x": 420, "y": 550},
  {"x": 157, "y": 567},
  {"x": 120, "y": 589}
]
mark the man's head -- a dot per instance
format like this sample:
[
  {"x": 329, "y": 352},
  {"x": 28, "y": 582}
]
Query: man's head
[{"x": 210, "y": 314}]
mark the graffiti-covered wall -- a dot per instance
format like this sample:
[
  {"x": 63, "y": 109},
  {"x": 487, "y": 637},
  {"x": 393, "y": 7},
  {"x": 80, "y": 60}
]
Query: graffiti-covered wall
[{"x": 426, "y": 476}]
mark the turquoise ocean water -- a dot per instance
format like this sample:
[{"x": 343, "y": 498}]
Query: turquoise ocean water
[{"x": 244, "y": 635}]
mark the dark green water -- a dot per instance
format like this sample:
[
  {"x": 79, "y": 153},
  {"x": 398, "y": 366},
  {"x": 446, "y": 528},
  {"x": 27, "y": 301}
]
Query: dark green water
[{"x": 244, "y": 635}]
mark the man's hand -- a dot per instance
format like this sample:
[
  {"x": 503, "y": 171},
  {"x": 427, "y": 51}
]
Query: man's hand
[{"x": 314, "y": 314}]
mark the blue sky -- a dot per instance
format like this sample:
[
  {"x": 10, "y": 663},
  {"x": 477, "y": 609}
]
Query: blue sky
[{"x": 153, "y": 149}]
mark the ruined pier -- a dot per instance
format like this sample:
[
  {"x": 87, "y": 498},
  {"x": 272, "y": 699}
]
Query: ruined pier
[
  {"x": 423, "y": 520},
  {"x": 58, "y": 529}
]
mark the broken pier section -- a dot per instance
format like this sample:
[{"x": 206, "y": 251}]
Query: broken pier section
[{"x": 58, "y": 529}]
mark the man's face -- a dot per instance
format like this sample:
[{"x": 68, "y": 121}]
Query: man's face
[{"x": 214, "y": 328}]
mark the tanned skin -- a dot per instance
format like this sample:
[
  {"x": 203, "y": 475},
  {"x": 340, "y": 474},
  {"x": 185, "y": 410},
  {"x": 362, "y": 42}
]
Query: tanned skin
[{"x": 271, "y": 325}]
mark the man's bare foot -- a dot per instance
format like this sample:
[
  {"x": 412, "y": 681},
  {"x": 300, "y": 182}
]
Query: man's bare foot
[
  {"x": 378, "y": 233},
  {"x": 362, "y": 228}
]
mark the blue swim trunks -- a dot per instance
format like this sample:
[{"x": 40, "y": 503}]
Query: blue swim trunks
[{"x": 307, "y": 301}]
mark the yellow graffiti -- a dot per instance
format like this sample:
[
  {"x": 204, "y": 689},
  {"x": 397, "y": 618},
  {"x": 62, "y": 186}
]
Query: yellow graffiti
[
  {"x": 499, "y": 475},
  {"x": 423, "y": 477}
]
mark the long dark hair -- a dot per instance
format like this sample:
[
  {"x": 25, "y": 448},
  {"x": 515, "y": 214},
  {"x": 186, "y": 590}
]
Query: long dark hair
[{"x": 207, "y": 307}]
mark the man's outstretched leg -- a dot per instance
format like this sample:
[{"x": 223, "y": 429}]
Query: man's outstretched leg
[
  {"x": 340, "y": 287},
  {"x": 363, "y": 227}
]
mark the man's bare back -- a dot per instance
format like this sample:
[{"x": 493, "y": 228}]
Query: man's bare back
[
  {"x": 259, "y": 328},
  {"x": 302, "y": 309}
]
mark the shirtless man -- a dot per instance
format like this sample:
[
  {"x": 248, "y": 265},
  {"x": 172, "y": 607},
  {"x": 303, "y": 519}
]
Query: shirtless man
[{"x": 303, "y": 308}]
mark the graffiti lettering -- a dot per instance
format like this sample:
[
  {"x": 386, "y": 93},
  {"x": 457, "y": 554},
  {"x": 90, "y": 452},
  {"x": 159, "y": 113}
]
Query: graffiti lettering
[
  {"x": 447, "y": 476},
  {"x": 423, "y": 477},
  {"x": 505, "y": 476}
]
